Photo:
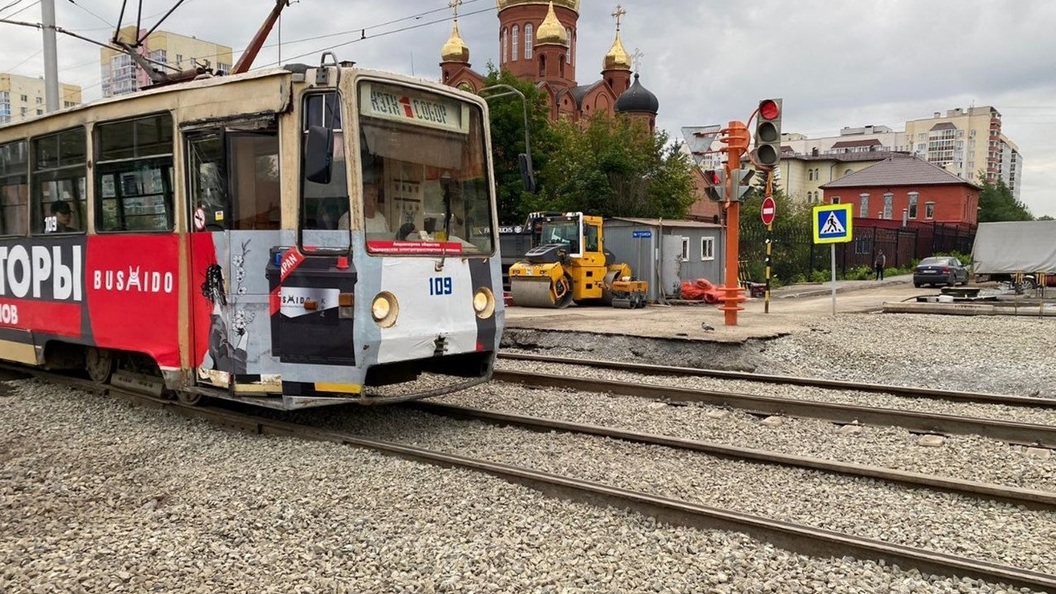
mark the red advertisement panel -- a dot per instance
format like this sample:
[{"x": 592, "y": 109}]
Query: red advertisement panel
[
  {"x": 131, "y": 282},
  {"x": 58, "y": 318}
]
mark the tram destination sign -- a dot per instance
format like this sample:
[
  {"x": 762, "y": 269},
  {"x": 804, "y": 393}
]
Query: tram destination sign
[{"x": 411, "y": 107}]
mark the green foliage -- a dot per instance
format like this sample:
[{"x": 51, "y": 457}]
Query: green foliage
[
  {"x": 791, "y": 220},
  {"x": 996, "y": 203},
  {"x": 612, "y": 166},
  {"x": 507, "y": 140}
]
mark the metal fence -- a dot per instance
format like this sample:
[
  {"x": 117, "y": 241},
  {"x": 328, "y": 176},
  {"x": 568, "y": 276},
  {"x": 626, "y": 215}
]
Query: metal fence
[{"x": 795, "y": 256}]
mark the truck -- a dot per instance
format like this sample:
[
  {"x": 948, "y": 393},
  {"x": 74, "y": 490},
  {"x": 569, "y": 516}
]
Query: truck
[
  {"x": 1019, "y": 253},
  {"x": 569, "y": 264}
]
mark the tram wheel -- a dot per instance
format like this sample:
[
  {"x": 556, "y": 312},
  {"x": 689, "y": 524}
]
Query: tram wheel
[
  {"x": 99, "y": 363},
  {"x": 188, "y": 398}
]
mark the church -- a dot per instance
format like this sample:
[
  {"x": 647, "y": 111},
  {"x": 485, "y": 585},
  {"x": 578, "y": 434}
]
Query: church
[{"x": 537, "y": 42}]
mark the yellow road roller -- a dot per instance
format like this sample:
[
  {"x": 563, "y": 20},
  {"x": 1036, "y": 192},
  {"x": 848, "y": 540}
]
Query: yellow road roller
[{"x": 570, "y": 265}]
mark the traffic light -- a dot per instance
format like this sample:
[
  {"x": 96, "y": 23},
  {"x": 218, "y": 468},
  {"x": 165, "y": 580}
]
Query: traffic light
[
  {"x": 741, "y": 182},
  {"x": 768, "y": 134},
  {"x": 716, "y": 181}
]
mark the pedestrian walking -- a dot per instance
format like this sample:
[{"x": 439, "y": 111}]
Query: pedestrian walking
[{"x": 880, "y": 263}]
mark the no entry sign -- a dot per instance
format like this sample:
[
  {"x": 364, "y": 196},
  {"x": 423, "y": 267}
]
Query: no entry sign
[{"x": 768, "y": 210}]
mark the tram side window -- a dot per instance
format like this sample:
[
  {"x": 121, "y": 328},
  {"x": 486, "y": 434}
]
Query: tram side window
[
  {"x": 254, "y": 163},
  {"x": 208, "y": 183},
  {"x": 14, "y": 189},
  {"x": 325, "y": 206},
  {"x": 134, "y": 174},
  {"x": 58, "y": 183}
]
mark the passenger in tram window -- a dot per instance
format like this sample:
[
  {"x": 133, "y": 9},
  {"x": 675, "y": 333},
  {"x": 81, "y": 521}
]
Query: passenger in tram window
[
  {"x": 376, "y": 222},
  {"x": 63, "y": 215},
  {"x": 328, "y": 214}
]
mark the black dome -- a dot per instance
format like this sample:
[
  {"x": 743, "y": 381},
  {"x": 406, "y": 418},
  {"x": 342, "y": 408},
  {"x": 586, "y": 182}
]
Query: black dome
[{"x": 637, "y": 99}]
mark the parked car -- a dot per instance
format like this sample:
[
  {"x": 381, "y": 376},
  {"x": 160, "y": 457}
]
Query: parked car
[{"x": 940, "y": 270}]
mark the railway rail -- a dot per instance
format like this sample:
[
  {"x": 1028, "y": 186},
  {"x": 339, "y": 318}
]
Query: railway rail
[
  {"x": 791, "y": 536},
  {"x": 1031, "y": 498},
  {"x": 1033, "y": 434},
  {"x": 908, "y": 391}
]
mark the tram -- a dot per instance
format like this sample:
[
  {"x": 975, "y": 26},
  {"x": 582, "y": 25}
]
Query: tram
[{"x": 291, "y": 237}]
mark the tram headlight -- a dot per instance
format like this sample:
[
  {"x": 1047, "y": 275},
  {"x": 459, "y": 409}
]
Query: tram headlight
[
  {"x": 385, "y": 309},
  {"x": 484, "y": 303}
]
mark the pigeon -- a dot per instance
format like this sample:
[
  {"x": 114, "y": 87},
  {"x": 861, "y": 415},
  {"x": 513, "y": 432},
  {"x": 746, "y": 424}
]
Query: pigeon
[{"x": 705, "y": 327}]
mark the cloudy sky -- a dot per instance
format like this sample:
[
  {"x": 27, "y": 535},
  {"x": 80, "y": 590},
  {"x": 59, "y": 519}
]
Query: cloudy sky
[{"x": 836, "y": 63}]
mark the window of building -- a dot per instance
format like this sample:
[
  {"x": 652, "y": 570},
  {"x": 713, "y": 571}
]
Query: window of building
[
  {"x": 863, "y": 245},
  {"x": 514, "y": 45},
  {"x": 685, "y": 249},
  {"x": 848, "y": 172},
  {"x": 863, "y": 206},
  {"x": 707, "y": 248},
  {"x": 528, "y": 41},
  {"x": 25, "y": 98},
  {"x": 810, "y": 175},
  {"x": 571, "y": 45},
  {"x": 179, "y": 59},
  {"x": 58, "y": 182},
  {"x": 913, "y": 205},
  {"x": 889, "y": 205},
  {"x": 14, "y": 188},
  {"x": 929, "y": 210},
  {"x": 503, "y": 56},
  {"x": 134, "y": 175},
  {"x": 835, "y": 200},
  {"x": 40, "y": 100},
  {"x": 817, "y": 174}
]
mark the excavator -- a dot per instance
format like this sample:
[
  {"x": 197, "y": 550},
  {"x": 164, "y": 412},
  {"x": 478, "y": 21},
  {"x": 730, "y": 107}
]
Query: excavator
[{"x": 569, "y": 265}]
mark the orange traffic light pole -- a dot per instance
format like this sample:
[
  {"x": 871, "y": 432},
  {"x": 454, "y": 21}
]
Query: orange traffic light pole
[{"x": 736, "y": 141}]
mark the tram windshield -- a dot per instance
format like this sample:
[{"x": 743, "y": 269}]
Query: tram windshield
[{"x": 425, "y": 176}]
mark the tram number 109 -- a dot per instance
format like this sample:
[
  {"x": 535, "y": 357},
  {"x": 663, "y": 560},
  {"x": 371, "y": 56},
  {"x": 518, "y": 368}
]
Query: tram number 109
[{"x": 440, "y": 285}]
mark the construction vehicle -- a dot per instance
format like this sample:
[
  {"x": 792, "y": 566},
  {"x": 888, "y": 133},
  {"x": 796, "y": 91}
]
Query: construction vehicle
[{"x": 569, "y": 265}]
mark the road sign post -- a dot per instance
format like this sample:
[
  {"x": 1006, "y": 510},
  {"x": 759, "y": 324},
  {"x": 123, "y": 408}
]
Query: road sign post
[
  {"x": 767, "y": 212},
  {"x": 833, "y": 223}
]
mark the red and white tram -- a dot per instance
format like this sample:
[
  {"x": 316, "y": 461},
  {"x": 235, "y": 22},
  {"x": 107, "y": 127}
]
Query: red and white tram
[{"x": 290, "y": 237}]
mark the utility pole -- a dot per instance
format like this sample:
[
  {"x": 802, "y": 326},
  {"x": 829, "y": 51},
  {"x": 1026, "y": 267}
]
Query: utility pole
[{"x": 51, "y": 59}]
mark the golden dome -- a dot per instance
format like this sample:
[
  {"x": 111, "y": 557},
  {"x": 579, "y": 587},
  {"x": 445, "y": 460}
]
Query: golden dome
[
  {"x": 455, "y": 50},
  {"x": 617, "y": 58},
  {"x": 551, "y": 30},
  {"x": 504, "y": 4}
]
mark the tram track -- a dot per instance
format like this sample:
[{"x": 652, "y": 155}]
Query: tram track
[
  {"x": 800, "y": 538},
  {"x": 895, "y": 390},
  {"x": 1014, "y": 432},
  {"x": 1032, "y": 498}
]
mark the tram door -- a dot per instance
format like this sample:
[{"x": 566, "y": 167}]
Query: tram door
[{"x": 233, "y": 196}]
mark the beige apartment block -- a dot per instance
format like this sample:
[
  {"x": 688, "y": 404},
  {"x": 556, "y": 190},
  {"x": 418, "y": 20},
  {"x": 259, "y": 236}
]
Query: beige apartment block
[
  {"x": 121, "y": 75},
  {"x": 24, "y": 97},
  {"x": 966, "y": 142}
]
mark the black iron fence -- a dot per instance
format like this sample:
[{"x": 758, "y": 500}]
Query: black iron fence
[{"x": 796, "y": 258}]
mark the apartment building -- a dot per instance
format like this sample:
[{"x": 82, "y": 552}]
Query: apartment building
[
  {"x": 121, "y": 75},
  {"x": 966, "y": 142},
  {"x": 24, "y": 97}
]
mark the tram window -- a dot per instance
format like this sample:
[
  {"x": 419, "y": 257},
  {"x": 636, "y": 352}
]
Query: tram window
[
  {"x": 14, "y": 191},
  {"x": 253, "y": 161},
  {"x": 325, "y": 206},
  {"x": 58, "y": 182},
  {"x": 208, "y": 184},
  {"x": 134, "y": 174}
]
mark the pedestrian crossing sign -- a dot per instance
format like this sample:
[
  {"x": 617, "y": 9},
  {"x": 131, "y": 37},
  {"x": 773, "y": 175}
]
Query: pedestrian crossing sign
[{"x": 833, "y": 223}]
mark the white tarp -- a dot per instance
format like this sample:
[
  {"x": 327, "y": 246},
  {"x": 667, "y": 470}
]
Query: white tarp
[{"x": 1016, "y": 246}]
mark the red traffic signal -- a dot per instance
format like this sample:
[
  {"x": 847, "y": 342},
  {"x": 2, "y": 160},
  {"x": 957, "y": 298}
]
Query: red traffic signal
[
  {"x": 716, "y": 181},
  {"x": 768, "y": 134}
]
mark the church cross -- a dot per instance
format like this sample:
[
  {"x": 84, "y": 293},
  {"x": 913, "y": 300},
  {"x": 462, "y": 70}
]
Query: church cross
[
  {"x": 453, "y": 5},
  {"x": 618, "y": 15},
  {"x": 638, "y": 55}
]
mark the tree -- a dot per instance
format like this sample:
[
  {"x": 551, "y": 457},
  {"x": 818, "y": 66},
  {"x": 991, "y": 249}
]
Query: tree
[
  {"x": 996, "y": 203},
  {"x": 613, "y": 166},
  {"x": 507, "y": 140}
]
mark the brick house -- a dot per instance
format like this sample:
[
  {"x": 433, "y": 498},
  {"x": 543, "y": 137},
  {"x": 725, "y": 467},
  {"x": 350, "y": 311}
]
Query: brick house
[{"x": 908, "y": 191}]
